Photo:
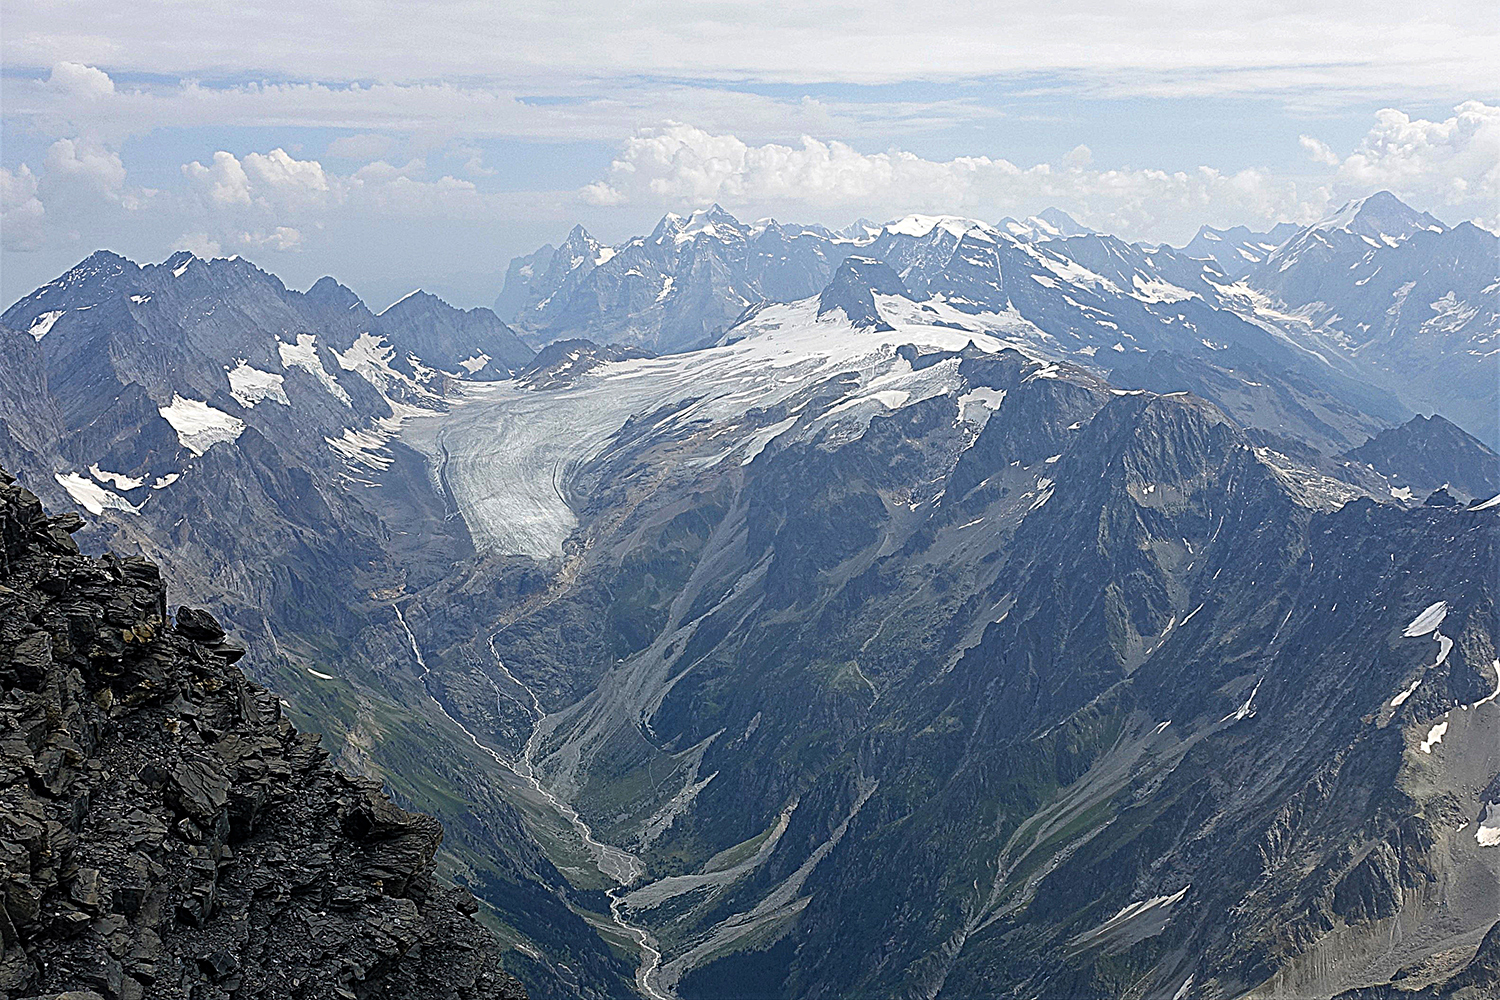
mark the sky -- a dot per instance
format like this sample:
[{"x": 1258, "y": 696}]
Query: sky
[{"x": 398, "y": 144}]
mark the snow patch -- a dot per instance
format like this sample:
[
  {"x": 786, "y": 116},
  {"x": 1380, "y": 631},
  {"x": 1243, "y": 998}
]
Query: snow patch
[
  {"x": 1493, "y": 695},
  {"x": 763, "y": 437},
  {"x": 1431, "y": 617},
  {"x": 199, "y": 426},
  {"x": 1137, "y": 909},
  {"x": 43, "y": 323},
  {"x": 1157, "y": 290},
  {"x": 1244, "y": 711},
  {"x": 1411, "y": 689},
  {"x": 250, "y": 385},
  {"x": 472, "y": 365},
  {"x": 979, "y": 401},
  {"x": 91, "y": 496},
  {"x": 363, "y": 447},
  {"x": 1488, "y": 833},
  {"x": 369, "y": 357},
  {"x": 304, "y": 354},
  {"x": 1434, "y": 736},
  {"x": 119, "y": 479}
]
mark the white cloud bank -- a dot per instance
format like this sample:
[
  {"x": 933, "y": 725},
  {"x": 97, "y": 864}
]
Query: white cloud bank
[{"x": 1453, "y": 164}]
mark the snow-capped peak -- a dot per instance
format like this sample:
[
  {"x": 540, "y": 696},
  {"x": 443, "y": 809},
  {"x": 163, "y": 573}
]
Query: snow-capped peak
[
  {"x": 1380, "y": 216},
  {"x": 919, "y": 226}
]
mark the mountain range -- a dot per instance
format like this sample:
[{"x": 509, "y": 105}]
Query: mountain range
[
  {"x": 1377, "y": 292},
  {"x": 932, "y": 609}
]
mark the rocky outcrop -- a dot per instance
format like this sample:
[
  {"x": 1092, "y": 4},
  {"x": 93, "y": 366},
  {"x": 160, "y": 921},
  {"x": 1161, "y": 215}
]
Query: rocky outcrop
[
  {"x": 852, "y": 290},
  {"x": 168, "y": 834},
  {"x": 559, "y": 363}
]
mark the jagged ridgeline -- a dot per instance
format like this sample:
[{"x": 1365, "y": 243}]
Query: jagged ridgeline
[{"x": 165, "y": 832}]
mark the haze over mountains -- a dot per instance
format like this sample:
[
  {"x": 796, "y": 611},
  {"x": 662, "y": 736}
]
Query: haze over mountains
[{"x": 929, "y": 609}]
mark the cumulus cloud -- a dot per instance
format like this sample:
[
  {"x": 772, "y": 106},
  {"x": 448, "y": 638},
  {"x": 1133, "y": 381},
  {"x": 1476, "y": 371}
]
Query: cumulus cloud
[
  {"x": 88, "y": 166},
  {"x": 288, "y": 180},
  {"x": 21, "y": 211},
  {"x": 1454, "y": 162},
  {"x": 1319, "y": 151},
  {"x": 274, "y": 181},
  {"x": 222, "y": 182},
  {"x": 1079, "y": 156},
  {"x": 79, "y": 81},
  {"x": 679, "y": 164}
]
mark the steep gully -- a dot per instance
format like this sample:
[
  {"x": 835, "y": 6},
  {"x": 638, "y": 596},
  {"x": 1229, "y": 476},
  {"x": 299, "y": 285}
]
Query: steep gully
[{"x": 618, "y": 864}]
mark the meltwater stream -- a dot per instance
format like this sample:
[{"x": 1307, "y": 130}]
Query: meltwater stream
[{"x": 618, "y": 864}]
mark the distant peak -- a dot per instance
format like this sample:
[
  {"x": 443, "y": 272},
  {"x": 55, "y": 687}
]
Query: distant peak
[
  {"x": 417, "y": 298},
  {"x": 1380, "y": 216},
  {"x": 328, "y": 290},
  {"x": 1064, "y": 223},
  {"x": 105, "y": 256}
]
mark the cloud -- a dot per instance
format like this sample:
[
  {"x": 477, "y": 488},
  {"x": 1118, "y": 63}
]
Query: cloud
[
  {"x": 1319, "y": 150},
  {"x": 199, "y": 244},
  {"x": 21, "y": 212},
  {"x": 1155, "y": 46},
  {"x": 600, "y": 193},
  {"x": 87, "y": 166},
  {"x": 1454, "y": 162},
  {"x": 1079, "y": 156},
  {"x": 268, "y": 181},
  {"x": 223, "y": 182},
  {"x": 286, "y": 179},
  {"x": 681, "y": 165},
  {"x": 79, "y": 81},
  {"x": 280, "y": 238}
]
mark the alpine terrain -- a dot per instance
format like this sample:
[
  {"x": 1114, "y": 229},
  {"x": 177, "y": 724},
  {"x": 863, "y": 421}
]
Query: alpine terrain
[{"x": 935, "y": 609}]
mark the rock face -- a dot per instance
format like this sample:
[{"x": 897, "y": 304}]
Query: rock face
[
  {"x": 168, "y": 834},
  {"x": 852, "y": 290}
]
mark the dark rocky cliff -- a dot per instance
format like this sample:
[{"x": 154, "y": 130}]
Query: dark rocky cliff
[{"x": 168, "y": 834}]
